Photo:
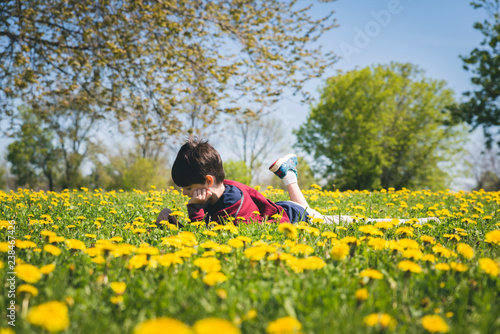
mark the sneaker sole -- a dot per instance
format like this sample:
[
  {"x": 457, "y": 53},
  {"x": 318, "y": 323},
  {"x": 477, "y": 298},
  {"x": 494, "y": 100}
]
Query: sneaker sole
[{"x": 276, "y": 165}]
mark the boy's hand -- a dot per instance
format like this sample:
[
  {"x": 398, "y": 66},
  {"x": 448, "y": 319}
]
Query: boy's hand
[{"x": 200, "y": 196}]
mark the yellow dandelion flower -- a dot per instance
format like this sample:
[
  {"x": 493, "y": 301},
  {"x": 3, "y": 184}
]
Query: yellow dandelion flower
[
  {"x": 302, "y": 249},
  {"x": 443, "y": 251},
  {"x": 256, "y": 253},
  {"x": 489, "y": 266},
  {"x": 28, "y": 288},
  {"x": 384, "y": 320},
  {"x": 118, "y": 287},
  {"x": 350, "y": 240},
  {"x": 166, "y": 260},
  {"x": 162, "y": 325},
  {"x": 208, "y": 264},
  {"x": 24, "y": 244},
  {"x": 442, "y": 266},
  {"x": 208, "y": 254},
  {"x": 138, "y": 261},
  {"x": 246, "y": 240},
  {"x": 214, "y": 278},
  {"x": 409, "y": 266},
  {"x": 75, "y": 244},
  {"x": 412, "y": 253},
  {"x": 428, "y": 239},
  {"x": 339, "y": 251},
  {"x": 52, "y": 316},
  {"x": 224, "y": 249},
  {"x": 408, "y": 231},
  {"x": 55, "y": 238},
  {"x": 408, "y": 243},
  {"x": 371, "y": 273},
  {"x": 458, "y": 267},
  {"x": 116, "y": 299},
  {"x": 28, "y": 273},
  {"x": 236, "y": 243},
  {"x": 52, "y": 250},
  {"x": 329, "y": 234},
  {"x": 288, "y": 230},
  {"x": 385, "y": 225},
  {"x": 215, "y": 326},
  {"x": 452, "y": 237},
  {"x": 312, "y": 263},
  {"x": 377, "y": 243},
  {"x": 185, "y": 252},
  {"x": 47, "y": 269},
  {"x": 362, "y": 294},
  {"x": 209, "y": 244},
  {"x": 221, "y": 293},
  {"x": 4, "y": 247},
  {"x": 251, "y": 314},
  {"x": 493, "y": 237},
  {"x": 465, "y": 250},
  {"x": 435, "y": 324},
  {"x": 429, "y": 258},
  {"x": 285, "y": 325},
  {"x": 370, "y": 229}
]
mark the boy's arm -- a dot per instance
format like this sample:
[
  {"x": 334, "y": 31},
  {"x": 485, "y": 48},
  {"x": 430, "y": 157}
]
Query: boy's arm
[
  {"x": 196, "y": 212},
  {"x": 197, "y": 203}
]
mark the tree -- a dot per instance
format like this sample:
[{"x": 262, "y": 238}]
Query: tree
[
  {"x": 482, "y": 107},
  {"x": 72, "y": 119},
  {"x": 155, "y": 58},
  {"x": 128, "y": 170},
  {"x": 237, "y": 171},
  {"x": 254, "y": 140},
  {"x": 484, "y": 163},
  {"x": 383, "y": 126},
  {"x": 33, "y": 155},
  {"x": 3, "y": 174}
]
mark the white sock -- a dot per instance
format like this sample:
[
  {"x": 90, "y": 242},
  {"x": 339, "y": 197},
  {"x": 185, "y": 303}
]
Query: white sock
[{"x": 289, "y": 178}]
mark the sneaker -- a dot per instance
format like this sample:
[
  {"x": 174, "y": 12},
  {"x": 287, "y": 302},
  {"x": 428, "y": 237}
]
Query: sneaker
[{"x": 281, "y": 166}]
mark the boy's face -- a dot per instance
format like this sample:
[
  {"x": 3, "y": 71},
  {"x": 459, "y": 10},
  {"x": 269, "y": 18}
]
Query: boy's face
[{"x": 189, "y": 190}]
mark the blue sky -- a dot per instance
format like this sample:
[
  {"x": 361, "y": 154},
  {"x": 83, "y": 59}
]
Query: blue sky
[{"x": 429, "y": 34}]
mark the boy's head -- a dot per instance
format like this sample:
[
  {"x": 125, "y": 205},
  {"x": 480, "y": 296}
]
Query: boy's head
[{"x": 197, "y": 159}]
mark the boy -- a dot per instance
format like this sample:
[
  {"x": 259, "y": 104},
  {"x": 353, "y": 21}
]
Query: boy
[{"x": 199, "y": 171}]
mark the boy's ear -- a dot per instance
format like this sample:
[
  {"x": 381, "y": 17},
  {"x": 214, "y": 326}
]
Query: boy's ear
[{"x": 210, "y": 180}]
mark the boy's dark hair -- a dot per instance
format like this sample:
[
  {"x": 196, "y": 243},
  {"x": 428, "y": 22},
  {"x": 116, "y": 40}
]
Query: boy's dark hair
[{"x": 197, "y": 159}]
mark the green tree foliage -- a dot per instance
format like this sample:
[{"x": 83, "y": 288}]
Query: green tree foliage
[
  {"x": 482, "y": 107},
  {"x": 33, "y": 155},
  {"x": 238, "y": 171},
  {"x": 73, "y": 120},
  {"x": 3, "y": 174},
  {"x": 151, "y": 62},
  {"x": 128, "y": 170},
  {"x": 381, "y": 127},
  {"x": 53, "y": 139}
]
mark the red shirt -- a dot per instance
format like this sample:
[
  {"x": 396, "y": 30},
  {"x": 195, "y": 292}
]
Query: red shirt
[{"x": 252, "y": 206}]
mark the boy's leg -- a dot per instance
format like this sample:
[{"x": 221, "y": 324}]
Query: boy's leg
[
  {"x": 286, "y": 169},
  {"x": 296, "y": 194}
]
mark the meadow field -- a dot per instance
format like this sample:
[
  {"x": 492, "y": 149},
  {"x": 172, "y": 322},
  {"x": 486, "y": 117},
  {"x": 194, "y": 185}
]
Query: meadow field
[{"x": 91, "y": 261}]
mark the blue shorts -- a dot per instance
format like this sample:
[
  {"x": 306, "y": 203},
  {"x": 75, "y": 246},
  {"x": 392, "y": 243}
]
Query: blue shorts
[{"x": 295, "y": 212}]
